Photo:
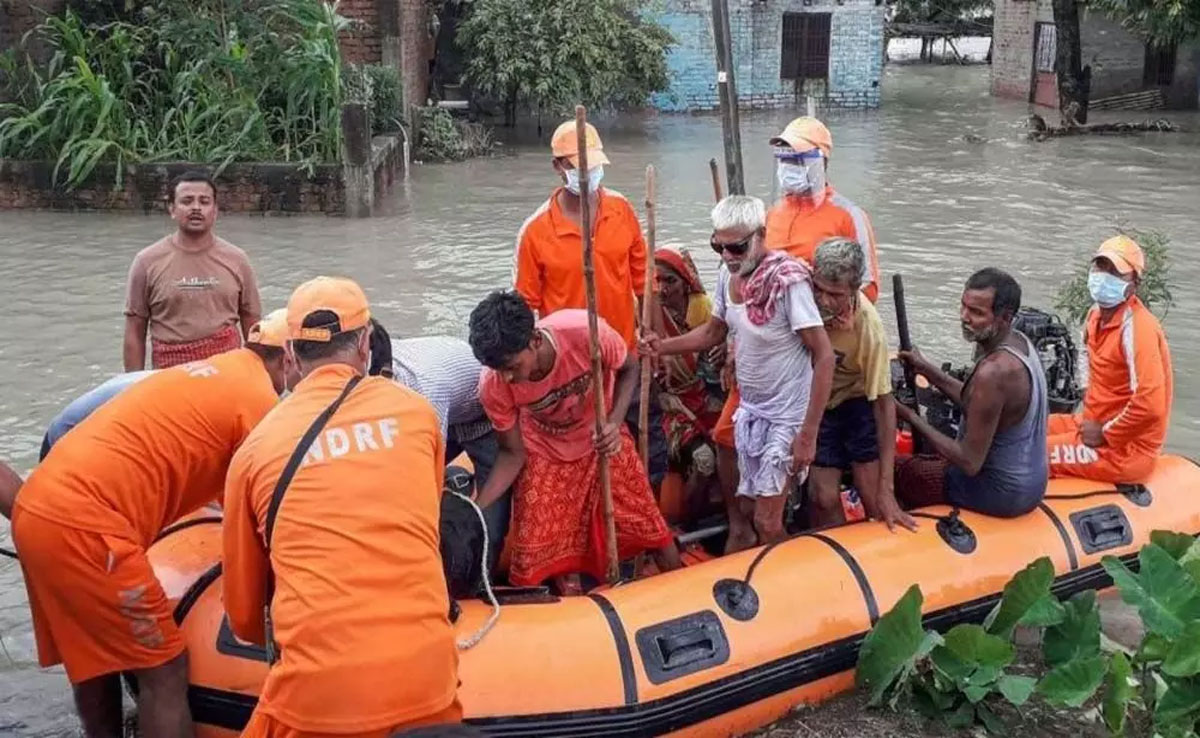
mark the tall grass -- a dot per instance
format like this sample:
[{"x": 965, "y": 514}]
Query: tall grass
[{"x": 211, "y": 81}]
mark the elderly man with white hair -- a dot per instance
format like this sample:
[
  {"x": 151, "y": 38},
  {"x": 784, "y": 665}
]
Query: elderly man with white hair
[
  {"x": 858, "y": 430},
  {"x": 784, "y": 363}
]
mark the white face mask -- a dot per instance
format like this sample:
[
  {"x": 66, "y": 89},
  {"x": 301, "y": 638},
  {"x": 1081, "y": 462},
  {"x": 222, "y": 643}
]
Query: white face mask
[
  {"x": 802, "y": 180},
  {"x": 595, "y": 174}
]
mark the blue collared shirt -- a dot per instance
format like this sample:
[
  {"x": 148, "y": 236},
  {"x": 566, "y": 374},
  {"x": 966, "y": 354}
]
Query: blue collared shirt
[
  {"x": 445, "y": 371},
  {"x": 84, "y": 405}
]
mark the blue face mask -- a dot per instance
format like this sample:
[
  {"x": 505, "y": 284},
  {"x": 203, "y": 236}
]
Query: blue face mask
[
  {"x": 595, "y": 174},
  {"x": 1108, "y": 290}
]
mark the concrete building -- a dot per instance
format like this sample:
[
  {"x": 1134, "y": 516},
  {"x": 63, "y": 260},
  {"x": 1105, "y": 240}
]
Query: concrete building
[
  {"x": 1126, "y": 72},
  {"x": 783, "y": 50}
]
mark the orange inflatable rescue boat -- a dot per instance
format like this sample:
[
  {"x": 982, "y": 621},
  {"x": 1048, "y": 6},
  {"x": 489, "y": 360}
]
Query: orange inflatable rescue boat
[{"x": 721, "y": 647}]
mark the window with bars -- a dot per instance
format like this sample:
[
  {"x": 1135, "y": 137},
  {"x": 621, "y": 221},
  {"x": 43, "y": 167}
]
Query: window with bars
[
  {"x": 805, "y": 53},
  {"x": 1159, "y": 67},
  {"x": 1047, "y": 47}
]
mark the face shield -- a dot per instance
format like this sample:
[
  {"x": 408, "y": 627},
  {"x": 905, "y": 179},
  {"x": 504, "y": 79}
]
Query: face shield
[{"x": 800, "y": 174}]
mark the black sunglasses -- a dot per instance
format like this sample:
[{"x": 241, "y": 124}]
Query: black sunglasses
[{"x": 735, "y": 249}]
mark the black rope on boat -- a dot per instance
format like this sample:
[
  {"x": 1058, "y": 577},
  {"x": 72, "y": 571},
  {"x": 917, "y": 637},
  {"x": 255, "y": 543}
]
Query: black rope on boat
[{"x": 9, "y": 554}]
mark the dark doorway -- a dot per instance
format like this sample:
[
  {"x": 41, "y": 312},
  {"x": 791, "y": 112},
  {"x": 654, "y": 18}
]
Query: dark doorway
[{"x": 805, "y": 52}]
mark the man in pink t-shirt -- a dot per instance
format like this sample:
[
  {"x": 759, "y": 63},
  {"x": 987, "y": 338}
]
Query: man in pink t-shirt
[{"x": 537, "y": 389}]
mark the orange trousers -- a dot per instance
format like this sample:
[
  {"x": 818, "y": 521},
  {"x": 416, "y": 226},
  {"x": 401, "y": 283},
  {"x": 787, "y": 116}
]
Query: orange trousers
[
  {"x": 97, "y": 607},
  {"x": 1070, "y": 457},
  {"x": 265, "y": 726}
]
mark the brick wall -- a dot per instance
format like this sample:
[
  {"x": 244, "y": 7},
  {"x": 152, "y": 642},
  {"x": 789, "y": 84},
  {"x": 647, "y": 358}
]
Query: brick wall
[
  {"x": 17, "y": 17},
  {"x": 416, "y": 49},
  {"x": 361, "y": 44},
  {"x": 1117, "y": 57},
  {"x": 756, "y": 30},
  {"x": 409, "y": 21},
  {"x": 1012, "y": 48},
  {"x": 242, "y": 188}
]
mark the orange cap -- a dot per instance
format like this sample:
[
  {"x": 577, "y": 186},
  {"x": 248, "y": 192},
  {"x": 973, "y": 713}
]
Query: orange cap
[
  {"x": 271, "y": 330},
  {"x": 1124, "y": 253},
  {"x": 342, "y": 297},
  {"x": 565, "y": 142},
  {"x": 805, "y": 133}
]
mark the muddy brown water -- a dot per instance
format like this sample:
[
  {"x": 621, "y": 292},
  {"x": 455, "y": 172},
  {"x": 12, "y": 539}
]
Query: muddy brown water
[{"x": 941, "y": 206}]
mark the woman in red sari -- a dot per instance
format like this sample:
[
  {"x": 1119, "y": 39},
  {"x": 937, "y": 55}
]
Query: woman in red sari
[{"x": 692, "y": 396}]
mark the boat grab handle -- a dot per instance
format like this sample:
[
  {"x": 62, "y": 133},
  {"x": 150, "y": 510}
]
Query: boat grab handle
[
  {"x": 682, "y": 646},
  {"x": 1102, "y": 528}
]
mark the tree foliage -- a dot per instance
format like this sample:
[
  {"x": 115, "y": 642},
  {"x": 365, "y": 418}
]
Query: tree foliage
[
  {"x": 551, "y": 54},
  {"x": 1162, "y": 22}
]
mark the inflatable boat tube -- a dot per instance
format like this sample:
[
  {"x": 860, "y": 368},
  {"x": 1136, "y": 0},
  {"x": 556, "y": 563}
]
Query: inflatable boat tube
[{"x": 721, "y": 647}]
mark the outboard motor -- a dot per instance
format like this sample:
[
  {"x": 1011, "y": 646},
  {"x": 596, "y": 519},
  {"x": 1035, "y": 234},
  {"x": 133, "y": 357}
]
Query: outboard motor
[{"x": 1060, "y": 358}]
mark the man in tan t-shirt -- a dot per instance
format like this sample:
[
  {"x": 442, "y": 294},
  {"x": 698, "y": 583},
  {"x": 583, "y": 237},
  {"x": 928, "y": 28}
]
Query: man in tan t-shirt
[{"x": 191, "y": 289}]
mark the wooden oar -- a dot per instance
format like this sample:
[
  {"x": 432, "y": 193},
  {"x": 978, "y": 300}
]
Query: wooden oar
[
  {"x": 589, "y": 281},
  {"x": 647, "y": 318}
]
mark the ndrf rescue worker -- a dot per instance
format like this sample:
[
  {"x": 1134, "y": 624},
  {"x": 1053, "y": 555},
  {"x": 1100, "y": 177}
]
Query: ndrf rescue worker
[
  {"x": 1127, "y": 406},
  {"x": 85, "y": 517},
  {"x": 331, "y": 521}
]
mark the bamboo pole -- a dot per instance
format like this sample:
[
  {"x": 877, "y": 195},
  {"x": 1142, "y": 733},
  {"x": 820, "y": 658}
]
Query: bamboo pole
[
  {"x": 589, "y": 281},
  {"x": 716, "y": 178},
  {"x": 647, "y": 318}
]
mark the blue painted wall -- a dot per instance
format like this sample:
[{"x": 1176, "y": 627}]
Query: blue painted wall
[{"x": 756, "y": 27}]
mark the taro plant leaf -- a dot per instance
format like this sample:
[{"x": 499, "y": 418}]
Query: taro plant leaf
[
  {"x": 1073, "y": 683},
  {"x": 1183, "y": 660},
  {"x": 1154, "y": 648},
  {"x": 991, "y": 721},
  {"x": 972, "y": 644},
  {"x": 894, "y": 645},
  {"x": 1026, "y": 600},
  {"x": 1180, "y": 704},
  {"x": 1118, "y": 691},
  {"x": 1078, "y": 635},
  {"x": 1176, "y": 544},
  {"x": 976, "y": 693},
  {"x": 962, "y": 717},
  {"x": 1165, "y": 595},
  {"x": 929, "y": 700},
  {"x": 1015, "y": 688}
]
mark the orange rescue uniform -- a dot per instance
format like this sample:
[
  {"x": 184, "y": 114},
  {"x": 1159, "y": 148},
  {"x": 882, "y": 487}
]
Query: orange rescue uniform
[
  {"x": 85, "y": 517},
  {"x": 1129, "y": 392},
  {"x": 548, "y": 263},
  {"x": 795, "y": 226},
  {"x": 360, "y": 608}
]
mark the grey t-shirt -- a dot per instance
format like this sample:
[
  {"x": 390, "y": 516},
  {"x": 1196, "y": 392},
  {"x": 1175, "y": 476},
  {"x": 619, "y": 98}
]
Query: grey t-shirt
[{"x": 774, "y": 367}]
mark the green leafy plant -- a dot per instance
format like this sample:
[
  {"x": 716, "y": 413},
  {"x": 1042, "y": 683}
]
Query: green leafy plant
[
  {"x": 387, "y": 98},
  {"x": 212, "y": 82},
  {"x": 550, "y": 54},
  {"x": 441, "y": 138},
  {"x": 1074, "y": 301},
  {"x": 962, "y": 677}
]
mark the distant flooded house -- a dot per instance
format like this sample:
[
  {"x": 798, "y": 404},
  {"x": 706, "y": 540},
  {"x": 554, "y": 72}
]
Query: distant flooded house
[
  {"x": 783, "y": 51},
  {"x": 1127, "y": 73}
]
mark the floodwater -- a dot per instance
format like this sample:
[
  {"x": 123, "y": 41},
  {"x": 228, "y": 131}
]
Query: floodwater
[{"x": 942, "y": 207}]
